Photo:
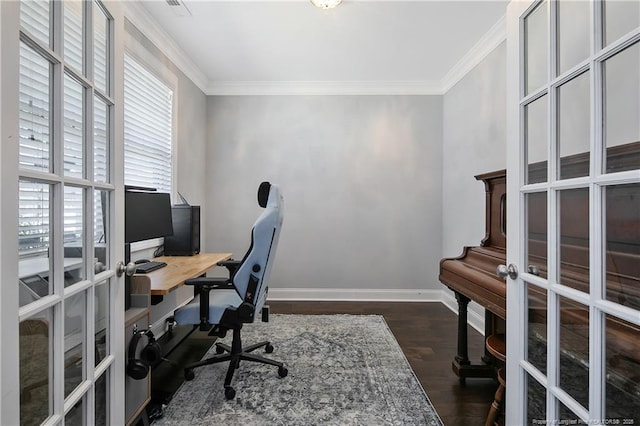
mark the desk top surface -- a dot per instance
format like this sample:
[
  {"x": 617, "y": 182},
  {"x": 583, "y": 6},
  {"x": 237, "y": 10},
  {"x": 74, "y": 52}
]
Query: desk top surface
[{"x": 179, "y": 269}]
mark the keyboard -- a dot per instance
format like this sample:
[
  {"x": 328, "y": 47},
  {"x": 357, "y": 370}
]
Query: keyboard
[{"x": 143, "y": 268}]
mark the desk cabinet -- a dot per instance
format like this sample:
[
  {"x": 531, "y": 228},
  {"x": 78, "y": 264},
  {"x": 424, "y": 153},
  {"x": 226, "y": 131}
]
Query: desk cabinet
[
  {"x": 147, "y": 290},
  {"x": 137, "y": 392}
]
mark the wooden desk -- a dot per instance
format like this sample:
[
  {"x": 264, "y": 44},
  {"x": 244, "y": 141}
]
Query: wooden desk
[{"x": 178, "y": 269}]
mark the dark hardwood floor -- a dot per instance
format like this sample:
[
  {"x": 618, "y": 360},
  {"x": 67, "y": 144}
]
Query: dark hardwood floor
[{"x": 426, "y": 333}]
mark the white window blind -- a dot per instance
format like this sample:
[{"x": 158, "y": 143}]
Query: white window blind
[
  {"x": 147, "y": 128},
  {"x": 34, "y": 150}
]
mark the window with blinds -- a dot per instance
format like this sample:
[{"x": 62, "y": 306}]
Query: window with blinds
[{"x": 148, "y": 117}]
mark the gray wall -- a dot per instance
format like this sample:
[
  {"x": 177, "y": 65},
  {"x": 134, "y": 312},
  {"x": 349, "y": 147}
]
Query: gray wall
[
  {"x": 474, "y": 142},
  {"x": 361, "y": 178}
]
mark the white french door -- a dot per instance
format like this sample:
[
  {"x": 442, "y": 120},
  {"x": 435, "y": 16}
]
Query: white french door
[
  {"x": 573, "y": 312},
  {"x": 61, "y": 234}
]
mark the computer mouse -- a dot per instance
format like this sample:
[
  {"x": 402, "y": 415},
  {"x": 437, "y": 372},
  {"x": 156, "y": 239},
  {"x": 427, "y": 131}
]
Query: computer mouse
[{"x": 139, "y": 261}]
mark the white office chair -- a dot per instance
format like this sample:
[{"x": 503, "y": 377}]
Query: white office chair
[{"x": 226, "y": 304}]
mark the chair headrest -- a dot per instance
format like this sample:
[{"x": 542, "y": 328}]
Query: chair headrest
[{"x": 263, "y": 193}]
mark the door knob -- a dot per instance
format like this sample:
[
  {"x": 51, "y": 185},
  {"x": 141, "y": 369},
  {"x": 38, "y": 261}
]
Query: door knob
[
  {"x": 511, "y": 271},
  {"x": 128, "y": 269}
]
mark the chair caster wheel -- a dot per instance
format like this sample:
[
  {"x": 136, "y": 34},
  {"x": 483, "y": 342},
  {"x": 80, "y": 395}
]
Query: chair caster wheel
[
  {"x": 229, "y": 392},
  {"x": 189, "y": 374},
  {"x": 282, "y": 371},
  {"x": 269, "y": 348},
  {"x": 219, "y": 350}
]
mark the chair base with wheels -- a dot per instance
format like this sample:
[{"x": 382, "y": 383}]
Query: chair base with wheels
[{"x": 234, "y": 354}]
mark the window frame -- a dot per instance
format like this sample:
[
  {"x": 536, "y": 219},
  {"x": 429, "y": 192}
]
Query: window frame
[{"x": 136, "y": 52}]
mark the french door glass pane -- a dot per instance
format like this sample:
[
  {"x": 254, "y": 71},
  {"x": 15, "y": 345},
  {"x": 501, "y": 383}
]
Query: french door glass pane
[
  {"x": 101, "y": 321},
  {"x": 34, "y": 236},
  {"x": 536, "y": 402},
  {"x": 573, "y": 33},
  {"x": 100, "y": 230},
  {"x": 622, "y": 386},
  {"x": 536, "y": 122},
  {"x": 622, "y": 236},
  {"x": 565, "y": 415},
  {"x": 537, "y": 233},
  {"x": 33, "y": 231},
  {"x": 74, "y": 340},
  {"x": 536, "y": 39},
  {"x": 34, "y": 17},
  {"x": 35, "y": 373},
  {"x": 574, "y": 350},
  {"x": 573, "y": 229},
  {"x": 102, "y": 402},
  {"x": 621, "y": 17},
  {"x": 74, "y": 234},
  {"x": 101, "y": 49},
  {"x": 573, "y": 126},
  {"x": 73, "y": 15},
  {"x": 75, "y": 416},
  {"x": 100, "y": 140},
  {"x": 537, "y": 327},
  {"x": 621, "y": 110},
  {"x": 35, "y": 110},
  {"x": 73, "y": 128}
]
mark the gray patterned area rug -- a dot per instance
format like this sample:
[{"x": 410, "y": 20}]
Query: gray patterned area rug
[{"x": 343, "y": 370}]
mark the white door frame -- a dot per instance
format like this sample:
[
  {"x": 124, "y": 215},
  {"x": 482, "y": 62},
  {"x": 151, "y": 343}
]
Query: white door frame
[
  {"x": 9, "y": 173},
  {"x": 9, "y": 216},
  {"x": 517, "y": 365}
]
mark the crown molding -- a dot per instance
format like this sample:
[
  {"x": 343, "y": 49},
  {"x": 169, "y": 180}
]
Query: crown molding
[
  {"x": 136, "y": 13},
  {"x": 258, "y": 88},
  {"x": 487, "y": 43},
  {"x": 138, "y": 16}
]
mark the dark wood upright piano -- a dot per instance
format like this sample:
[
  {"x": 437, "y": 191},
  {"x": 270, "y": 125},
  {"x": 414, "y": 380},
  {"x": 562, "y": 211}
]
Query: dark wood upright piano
[{"x": 472, "y": 276}]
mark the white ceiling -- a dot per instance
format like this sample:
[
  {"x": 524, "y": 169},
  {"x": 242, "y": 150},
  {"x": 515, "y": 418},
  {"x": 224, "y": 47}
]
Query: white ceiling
[{"x": 413, "y": 46}]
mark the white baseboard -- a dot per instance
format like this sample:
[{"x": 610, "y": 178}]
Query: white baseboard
[
  {"x": 352, "y": 294},
  {"x": 475, "y": 313}
]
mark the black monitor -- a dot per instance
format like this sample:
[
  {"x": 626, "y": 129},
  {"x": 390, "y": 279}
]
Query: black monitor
[{"x": 147, "y": 215}]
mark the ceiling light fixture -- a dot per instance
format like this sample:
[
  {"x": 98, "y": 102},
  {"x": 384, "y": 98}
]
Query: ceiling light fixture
[{"x": 325, "y": 4}]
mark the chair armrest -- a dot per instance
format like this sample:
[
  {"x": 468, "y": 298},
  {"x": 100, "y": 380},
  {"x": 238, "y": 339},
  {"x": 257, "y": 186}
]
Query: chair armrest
[
  {"x": 201, "y": 287},
  {"x": 231, "y": 265},
  {"x": 209, "y": 283}
]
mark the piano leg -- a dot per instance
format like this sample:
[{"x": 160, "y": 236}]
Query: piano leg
[
  {"x": 461, "y": 364},
  {"x": 489, "y": 329}
]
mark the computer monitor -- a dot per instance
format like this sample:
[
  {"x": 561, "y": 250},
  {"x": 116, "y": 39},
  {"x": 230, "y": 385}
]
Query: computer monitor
[{"x": 147, "y": 215}]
